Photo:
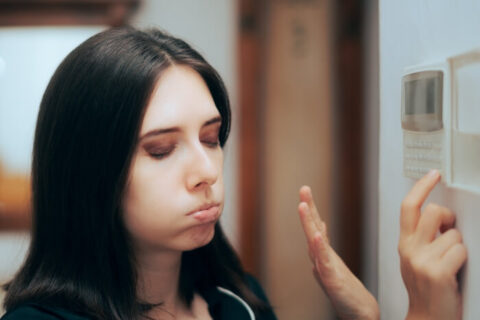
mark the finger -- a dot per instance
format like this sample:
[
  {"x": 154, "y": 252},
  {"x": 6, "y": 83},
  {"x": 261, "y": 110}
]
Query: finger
[
  {"x": 431, "y": 220},
  {"x": 445, "y": 228},
  {"x": 308, "y": 224},
  {"x": 322, "y": 256},
  {"x": 309, "y": 227},
  {"x": 455, "y": 258},
  {"x": 306, "y": 196},
  {"x": 414, "y": 200},
  {"x": 315, "y": 274},
  {"x": 444, "y": 242}
]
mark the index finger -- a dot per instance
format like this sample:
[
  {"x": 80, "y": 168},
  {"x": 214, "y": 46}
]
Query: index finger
[
  {"x": 412, "y": 203},
  {"x": 308, "y": 224},
  {"x": 306, "y": 196}
]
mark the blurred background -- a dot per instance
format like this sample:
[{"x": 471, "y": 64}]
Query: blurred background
[{"x": 302, "y": 76}]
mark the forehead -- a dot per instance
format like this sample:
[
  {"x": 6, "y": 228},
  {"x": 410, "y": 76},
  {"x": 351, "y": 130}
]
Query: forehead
[{"x": 180, "y": 98}]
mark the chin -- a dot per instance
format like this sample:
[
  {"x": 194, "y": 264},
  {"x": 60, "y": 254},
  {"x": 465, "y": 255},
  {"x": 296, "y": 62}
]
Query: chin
[{"x": 201, "y": 236}]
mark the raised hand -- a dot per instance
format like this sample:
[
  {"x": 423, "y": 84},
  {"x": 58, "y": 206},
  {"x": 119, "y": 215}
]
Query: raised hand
[
  {"x": 349, "y": 297},
  {"x": 430, "y": 262}
]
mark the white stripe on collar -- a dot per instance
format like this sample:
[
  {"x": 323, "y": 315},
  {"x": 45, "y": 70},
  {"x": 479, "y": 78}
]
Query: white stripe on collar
[{"x": 233, "y": 295}]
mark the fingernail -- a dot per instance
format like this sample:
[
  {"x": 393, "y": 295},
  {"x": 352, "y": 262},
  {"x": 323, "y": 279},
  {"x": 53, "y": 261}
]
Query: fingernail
[{"x": 433, "y": 173}]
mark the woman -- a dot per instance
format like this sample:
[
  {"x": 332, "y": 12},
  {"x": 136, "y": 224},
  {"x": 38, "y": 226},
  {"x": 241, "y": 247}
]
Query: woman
[{"x": 127, "y": 193}]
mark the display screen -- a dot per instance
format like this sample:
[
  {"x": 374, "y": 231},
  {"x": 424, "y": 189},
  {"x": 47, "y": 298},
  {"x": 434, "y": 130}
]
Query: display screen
[
  {"x": 422, "y": 101},
  {"x": 421, "y": 96}
]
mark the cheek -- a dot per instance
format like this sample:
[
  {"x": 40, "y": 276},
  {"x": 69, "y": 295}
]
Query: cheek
[
  {"x": 147, "y": 205},
  {"x": 153, "y": 183},
  {"x": 156, "y": 200},
  {"x": 219, "y": 185}
]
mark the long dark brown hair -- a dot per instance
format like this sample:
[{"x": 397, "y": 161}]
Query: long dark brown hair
[{"x": 80, "y": 256}]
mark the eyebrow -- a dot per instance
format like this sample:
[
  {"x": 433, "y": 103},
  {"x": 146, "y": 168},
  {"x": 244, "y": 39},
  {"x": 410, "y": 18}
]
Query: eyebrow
[{"x": 157, "y": 132}]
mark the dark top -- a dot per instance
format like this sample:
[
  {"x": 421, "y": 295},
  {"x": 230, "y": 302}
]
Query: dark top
[{"x": 222, "y": 304}]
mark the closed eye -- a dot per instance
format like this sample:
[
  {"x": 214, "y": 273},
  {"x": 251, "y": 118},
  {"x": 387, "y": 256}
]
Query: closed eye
[
  {"x": 212, "y": 143},
  {"x": 210, "y": 137},
  {"x": 161, "y": 153}
]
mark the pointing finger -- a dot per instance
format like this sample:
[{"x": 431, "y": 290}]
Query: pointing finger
[{"x": 412, "y": 204}]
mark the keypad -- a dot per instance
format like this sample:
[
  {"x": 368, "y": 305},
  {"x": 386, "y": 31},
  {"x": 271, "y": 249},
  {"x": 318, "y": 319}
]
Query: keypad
[{"x": 421, "y": 153}]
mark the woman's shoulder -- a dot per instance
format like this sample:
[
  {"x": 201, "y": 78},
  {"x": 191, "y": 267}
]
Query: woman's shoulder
[
  {"x": 226, "y": 304},
  {"x": 40, "y": 312},
  {"x": 256, "y": 288}
]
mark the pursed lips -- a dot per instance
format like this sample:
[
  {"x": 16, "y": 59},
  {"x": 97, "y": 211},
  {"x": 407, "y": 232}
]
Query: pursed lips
[{"x": 206, "y": 213}]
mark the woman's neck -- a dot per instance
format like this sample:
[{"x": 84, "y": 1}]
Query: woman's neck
[{"x": 158, "y": 279}]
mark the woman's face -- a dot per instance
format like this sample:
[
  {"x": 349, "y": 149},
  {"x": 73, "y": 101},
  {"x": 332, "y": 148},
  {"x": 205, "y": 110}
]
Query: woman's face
[{"x": 174, "y": 194}]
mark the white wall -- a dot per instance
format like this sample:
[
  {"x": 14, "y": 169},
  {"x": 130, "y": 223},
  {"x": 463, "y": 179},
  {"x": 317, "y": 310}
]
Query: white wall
[
  {"x": 414, "y": 32},
  {"x": 211, "y": 27}
]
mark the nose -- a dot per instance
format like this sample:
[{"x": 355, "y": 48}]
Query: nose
[{"x": 203, "y": 168}]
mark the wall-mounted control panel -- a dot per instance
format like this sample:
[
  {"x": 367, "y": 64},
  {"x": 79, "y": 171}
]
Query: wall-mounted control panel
[
  {"x": 441, "y": 120},
  {"x": 422, "y": 121}
]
